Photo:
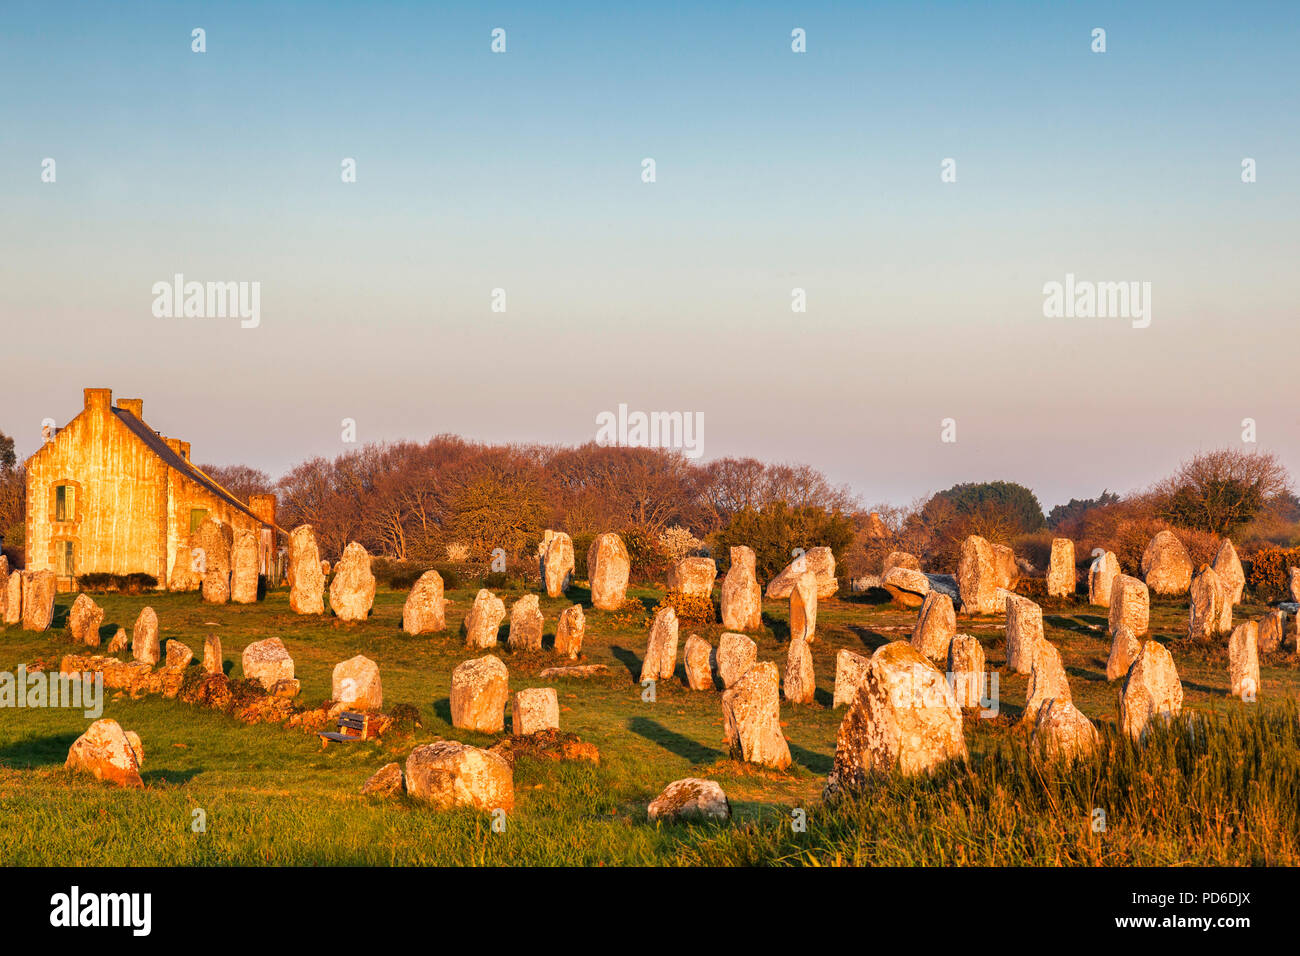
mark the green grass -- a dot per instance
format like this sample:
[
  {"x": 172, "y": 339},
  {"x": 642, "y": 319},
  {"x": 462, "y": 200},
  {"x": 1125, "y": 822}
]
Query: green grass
[{"x": 272, "y": 796}]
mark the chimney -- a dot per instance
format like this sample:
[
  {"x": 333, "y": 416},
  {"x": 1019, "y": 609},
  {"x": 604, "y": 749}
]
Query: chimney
[
  {"x": 174, "y": 444},
  {"x": 263, "y": 506},
  {"x": 133, "y": 405},
  {"x": 97, "y": 398}
]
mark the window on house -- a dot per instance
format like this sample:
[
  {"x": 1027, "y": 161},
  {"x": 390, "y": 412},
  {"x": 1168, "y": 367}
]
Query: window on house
[
  {"x": 67, "y": 565},
  {"x": 64, "y": 503},
  {"x": 196, "y": 518}
]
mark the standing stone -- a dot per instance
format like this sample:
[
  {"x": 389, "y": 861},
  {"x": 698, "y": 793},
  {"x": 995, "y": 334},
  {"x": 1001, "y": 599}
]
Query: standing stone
[
  {"x": 608, "y": 567},
  {"x": 178, "y": 654},
  {"x": 306, "y": 580},
  {"x": 899, "y": 559},
  {"x": 84, "y": 621},
  {"x": 850, "y": 671},
  {"x": 935, "y": 627},
  {"x": 1206, "y": 605},
  {"x": 1004, "y": 559},
  {"x": 820, "y": 561},
  {"x": 742, "y": 598},
  {"x": 803, "y": 607},
  {"x": 908, "y": 588},
  {"x": 120, "y": 642},
  {"x": 355, "y": 682},
  {"x": 267, "y": 662},
  {"x": 1130, "y": 605},
  {"x": 144, "y": 637},
  {"x": 213, "y": 662},
  {"x": 526, "y": 624},
  {"x": 387, "y": 781},
  {"x": 569, "y": 632},
  {"x": 1232, "y": 578},
  {"x": 904, "y": 717},
  {"x": 691, "y": 798},
  {"x": 1124, "y": 650},
  {"x": 352, "y": 591},
  {"x": 557, "y": 564},
  {"x": 800, "y": 684},
  {"x": 698, "y": 654},
  {"x": 425, "y": 610},
  {"x": 1294, "y": 587},
  {"x": 1047, "y": 680},
  {"x": 736, "y": 655},
  {"x": 106, "y": 752},
  {"x": 1152, "y": 690},
  {"x": 693, "y": 577},
  {"x": 4, "y": 585},
  {"x": 533, "y": 710},
  {"x": 1101, "y": 578},
  {"x": 38, "y": 600},
  {"x": 479, "y": 689},
  {"x": 213, "y": 540},
  {"x": 184, "y": 576},
  {"x": 1024, "y": 631},
  {"x": 751, "y": 716},
  {"x": 1061, "y": 730},
  {"x": 1272, "y": 627},
  {"x": 1166, "y": 564},
  {"x": 1243, "y": 662},
  {"x": 243, "y": 567},
  {"x": 661, "y": 648},
  {"x": 967, "y": 670},
  {"x": 1061, "y": 580},
  {"x": 979, "y": 576},
  {"x": 450, "y": 774},
  {"x": 484, "y": 620},
  {"x": 14, "y": 598}
]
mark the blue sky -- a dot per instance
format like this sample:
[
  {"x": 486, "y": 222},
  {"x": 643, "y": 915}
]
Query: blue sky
[{"x": 774, "y": 170}]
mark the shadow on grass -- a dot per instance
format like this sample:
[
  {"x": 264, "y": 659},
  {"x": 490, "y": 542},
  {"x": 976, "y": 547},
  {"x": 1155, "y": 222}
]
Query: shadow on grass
[
  {"x": 442, "y": 708},
  {"x": 779, "y": 629},
  {"x": 628, "y": 659},
  {"x": 38, "y": 752},
  {"x": 869, "y": 638},
  {"x": 817, "y": 763},
  {"x": 670, "y": 740}
]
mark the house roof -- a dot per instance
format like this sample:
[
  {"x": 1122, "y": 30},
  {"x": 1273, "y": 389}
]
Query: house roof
[{"x": 159, "y": 447}]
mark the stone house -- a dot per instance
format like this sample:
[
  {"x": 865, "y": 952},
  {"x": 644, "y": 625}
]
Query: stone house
[{"x": 107, "y": 493}]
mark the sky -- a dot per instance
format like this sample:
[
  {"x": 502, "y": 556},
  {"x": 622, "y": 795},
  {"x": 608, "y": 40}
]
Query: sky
[{"x": 774, "y": 170}]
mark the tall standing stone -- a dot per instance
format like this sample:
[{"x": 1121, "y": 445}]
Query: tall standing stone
[
  {"x": 425, "y": 610},
  {"x": 1151, "y": 691},
  {"x": 905, "y": 717},
  {"x": 800, "y": 683},
  {"x": 306, "y": 579},
  {"x": 1243, "y": 661},
  {"x": 1047, "y": 680},
  {"x": 534, "y": 710},
  {"x": 1024, "y": 631},
  {"x": 38, "y": 600},
  {"x": 742, "y": 597},
  {"x": 1101, "y": 578},
  {"x": 1061, "y": 579},
  {"x": 698, "y": 656},
  {"x": 736, "y": 655},
  {"x": 1294, "y": 584},
  {"x": 484, "y": 620},
  {"x": 967, "y": 670},
  {"x": 693, "y": 577},
  {"x": 352, "y": 591},
  {"x": 184, "y": 575},
  {"x": 661, "y": 647},
  {"x": 84, "y": 620},
  {"x": 1166, "y": 564},
  {"x": 213, "y": 662},
  {"x": 356, "y": 684},
  {"x": 1232, "y": 577},
  {"x": 1272, "y": 628},
  {"x": 820, "y": 561},
  {"x": 751, "y": 717},
  {"x": 557, "y": 564},
  {"x": 850, "y": 671},
  {"x": 479, "y": 689},
  {"x": 244, "y": 567},
  {"x": 1124, "y": 650},
  {"x": 569, "y": 631},
  {"x": 803, "y": 607},
  {"x": 1206, "y": 605},
  {"x": 526, "y": 624},
  {"x": 14, "y": 598},
  {"x": 267, "y": 662},
  {"x": 1130, "y": 605},
  {"x": 979, "y": 577},
  {"x": 608, "y": 568},
  {"x": 145, "y": 646},
  {"x": 935, "y": 627},
  {"x": 1062, "y": 730},
  {"x": 213, "y": 540}
]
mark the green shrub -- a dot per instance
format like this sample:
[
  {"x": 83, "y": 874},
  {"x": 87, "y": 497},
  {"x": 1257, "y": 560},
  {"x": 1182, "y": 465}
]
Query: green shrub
[
  {"x": 694, "y": 610},
  {"x": 1268, "y": 573},
  {"x": 137, "y": 582}
]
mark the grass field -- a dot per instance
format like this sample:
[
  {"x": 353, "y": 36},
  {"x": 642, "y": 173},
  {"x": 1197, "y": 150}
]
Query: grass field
[{"x": 1222, "y": 792}]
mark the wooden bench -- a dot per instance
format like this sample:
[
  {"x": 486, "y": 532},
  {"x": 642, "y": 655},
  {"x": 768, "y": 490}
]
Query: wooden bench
[{"x": 351, "y": 727}]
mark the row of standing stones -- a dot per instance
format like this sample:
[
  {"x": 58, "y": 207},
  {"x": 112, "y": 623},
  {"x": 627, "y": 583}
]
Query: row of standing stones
[{"x": 904, "y": 712}]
